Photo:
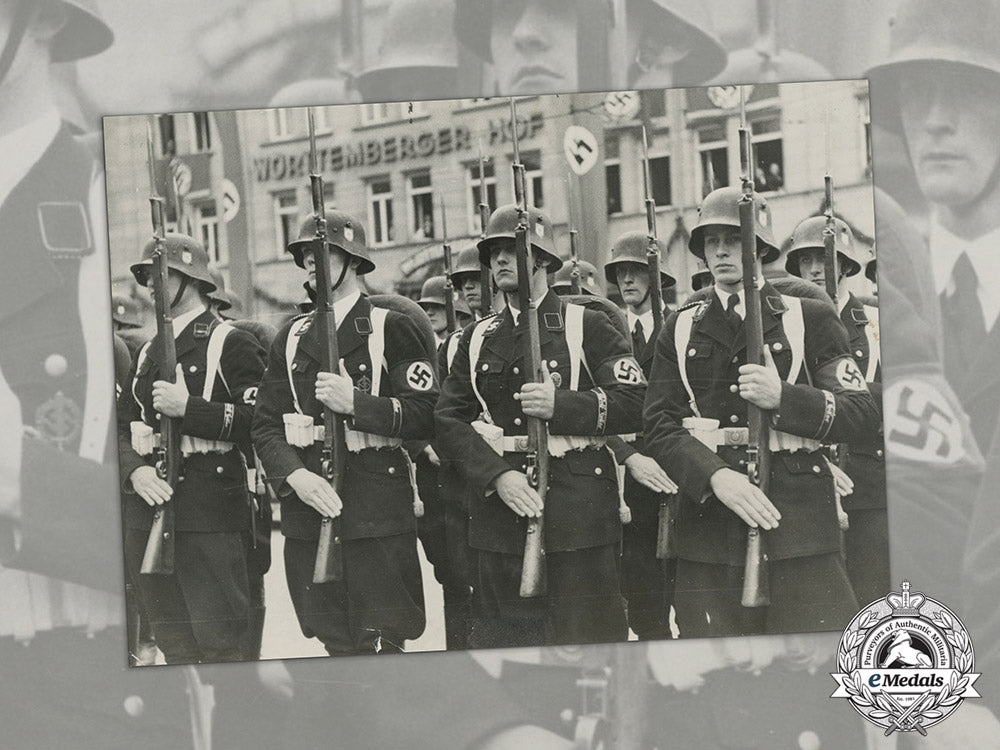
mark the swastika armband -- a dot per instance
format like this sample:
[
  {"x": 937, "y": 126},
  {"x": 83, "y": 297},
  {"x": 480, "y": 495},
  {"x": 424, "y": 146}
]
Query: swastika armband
[
  {"x": 420, "y": 376},
  {"x": 849, "y": 375},
  {"x": 626, "y": 370}
]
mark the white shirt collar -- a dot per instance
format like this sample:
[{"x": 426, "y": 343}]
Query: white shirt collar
[
  {"x": 183, "y": 321},
  {"x": 645, "y": 320},
  {"x": 740, "y": 307},
  {"x": 516, "y": 314},
  {"x": 984, "y": 254},
  {"x": 343, "y": 306},
  {"x": 21, "y": 149}
]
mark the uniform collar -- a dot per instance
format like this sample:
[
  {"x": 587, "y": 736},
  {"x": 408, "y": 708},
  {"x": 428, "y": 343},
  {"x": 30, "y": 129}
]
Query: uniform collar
[
  {"x": 183, "y": 321},
  {"x": 515, "y": 314},
  {"x": 342, "y": 307},
  {"x": 946, "y": 248},
  {"x": 740, "y": 307},
  {"x": 645, "y": 320},
  {"x": 22, "y": 148}
]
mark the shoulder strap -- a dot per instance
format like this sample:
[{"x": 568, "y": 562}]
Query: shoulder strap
[
  {"x": 574, "y": 340},
  {"x": 216, "y": 342},
  {"x": 682, "y": 334},
  {"x": 475, "y": 347},
  {"x": 874, "y": 349},
  {"x": 795, "y": 329},
  {"x": 139, "y": 359},
  {"x": 376, "y": 346},
  {"x": 291, "y": 347},
  {"x": 451, "y": 349}
]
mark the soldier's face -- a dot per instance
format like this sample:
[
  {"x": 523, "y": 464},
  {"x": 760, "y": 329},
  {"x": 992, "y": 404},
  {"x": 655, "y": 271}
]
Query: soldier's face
[
  {"x": 633, "y": 283},
  {"x": 337, "y": 260},
  {"x": 812, "y": 265},
  {"x": 951, "y": 118},
  {"x": 534, "y": 46},
  {"x": 439, "y": 319},
  {"x": 503, "y": 266},
  {"x": 723, "y": 254},
  {"x": 472, "y": 290},
  {"x": 174, "y": 280}
]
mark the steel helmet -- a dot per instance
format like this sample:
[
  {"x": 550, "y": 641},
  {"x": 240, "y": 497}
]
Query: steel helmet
[
  {"x": 810, "y": 234},
  {"x": 871, "y": 270},
  {"x": 219, "y": 295},
  {"x": 631, "y": 247},
  {"x": 721, "y": 207},
  {"x": 502, "y": 224},
  {"x": 433, "y": 51},
  {"x": 563, "y": 278},
  {"x": 702, "y": 277},
  {"x": 954, "y": 32},
  {"x": 467, "y": 262},
  {"x": 434, "y": 292},
  {"x": 83, "y": 35},
  {"x": 125, "y": 311},
  {"x": 184, "y": 254},
  {"x": 684, "y": 19},
  {"x": 343, "y": 231}
]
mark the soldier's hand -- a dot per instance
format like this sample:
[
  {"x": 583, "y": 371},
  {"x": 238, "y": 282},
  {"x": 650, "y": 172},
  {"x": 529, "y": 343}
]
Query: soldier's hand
[
  {"x": 316, "y": 492},
  {"x": 761, "y": 384},
  {"x": 515, "y": 490},
  {"x": 150, "y": 487},
  {"x": 432, "y": 455},
  {"x": 336, "y": 391},
  {"x": 743, "y": 498},
  {"x": 538, "y": 399},
  {"x": 842, "y": 483},
  {"x": 843, "y": 520},
  {"x": 648, "y": 472},
  {"x": 170, "y": 399}
]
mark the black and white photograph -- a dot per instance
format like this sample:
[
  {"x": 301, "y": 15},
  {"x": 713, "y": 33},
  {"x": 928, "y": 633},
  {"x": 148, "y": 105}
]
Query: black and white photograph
[{"x": 65, "y": 65}]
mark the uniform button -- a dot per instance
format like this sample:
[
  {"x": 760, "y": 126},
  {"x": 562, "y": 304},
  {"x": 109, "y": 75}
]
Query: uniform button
[
  {"x": 193, "y": 368},
  {"x": 777, "y": 346},
  {"x": 392, "y": 470},
  {"x": 134, "y": 706},
  {"x": 553, "y": 363},
  {"x": 733, "y": 388},
  {"x": 362, "y": 367},
  {"x": 733, "y": 419},
  {"x": 598, "y": 471},
  {"x": 859, "y": 353},
  {"x": 692, "y": 351},
  {"x": 295, "y": 365},
  {"x": 879, "y": 453},
  {"x": 809, "y": 740},
  {"x": 736, "y": 359},
  {"x": 55, "y": 365},
  {"x": 485, "y": 366},
  {"x": 517, "y": 370},
  {"x": 219, "y": 470},
  {"x": 816, "y": 470},
  {"x": 517, "y": 420}
]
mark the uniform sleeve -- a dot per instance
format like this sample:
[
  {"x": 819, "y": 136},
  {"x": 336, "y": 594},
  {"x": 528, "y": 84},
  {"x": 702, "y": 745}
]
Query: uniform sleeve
[
  {"x": 409, "y": 412},
  {"x": 614, "y": 405},
  {"x": 274, "y": 400},
  {"x": 838, "y": 407},
  {"x": 241, "y": 365},
  {"x": 683, "y": 457},
  {"x": 457, "y": 408},
  {"x": 128, "y": 412}
]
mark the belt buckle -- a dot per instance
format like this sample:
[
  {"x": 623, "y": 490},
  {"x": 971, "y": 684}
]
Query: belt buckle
[{"x": 736, "y": 436}]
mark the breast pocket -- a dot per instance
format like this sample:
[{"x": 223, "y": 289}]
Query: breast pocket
[
  {"x": 491, "y": 378},
  {"x": 698, "y": 361},
  {"x": 781, "y": 352}
]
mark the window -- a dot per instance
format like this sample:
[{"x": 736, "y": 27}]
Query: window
[
  {"x": 202, "y": 131},
  {"x": 713, "y": 157},
  {"x": 168, "y": 135},
  {"x": 380, "y": 216},
  {"x": 286, "y": 217},
  {"x": 373, "y": 114},
  {"x": 489, "y": 177},
  {"x": 659, "y": 176},
  {"x": 768, "y": 155},
  {"x": 421, "y": 203},
  {"x": 279, "y": 123},
  {"x": 613, "y": 174},
  {"x": 533, "y": 180},
  {"x": 207, "y": 226},
  {"x": 322, "y": 119}
]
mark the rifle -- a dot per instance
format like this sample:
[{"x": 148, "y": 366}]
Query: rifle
[
  {"x": 449, "y": 285},
  {"x": 665, "y": 541},
  {"x": 329, "y": 553},
  {"x": 485, "y": 280},
  {"x": 533, "y": 574},
  {"x": 831, "y": 272},
  {"x": 755, "y": 578},
  {"x": 158, "y": 558},
  {"x": 574, "y": 276}
]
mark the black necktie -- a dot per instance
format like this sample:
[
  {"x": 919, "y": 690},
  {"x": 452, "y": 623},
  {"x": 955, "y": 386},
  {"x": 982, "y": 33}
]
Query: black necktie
[
  {"x": 638, "y": 338},
  {"x": 962, "y": 319},
  {"x": 733, "y": 317}
]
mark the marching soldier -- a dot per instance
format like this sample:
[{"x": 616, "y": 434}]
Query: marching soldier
[
  {"x": 443, "y": 513},
  {"x": 866, "y": 539},
  {"x": 594, "y": 388},
  {"x": 386, "y": 392},
  {"x": 670, "y": 42},
  {"x": 200, "y": 612},
  {"x": 647, "y": 583},
  {"x": 813, "y": 391},
  {"x": 467, "y": 280}
]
